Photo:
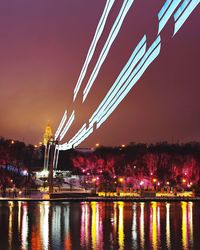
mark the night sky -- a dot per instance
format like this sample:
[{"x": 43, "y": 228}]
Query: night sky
[{"x": 43, "y": 45}]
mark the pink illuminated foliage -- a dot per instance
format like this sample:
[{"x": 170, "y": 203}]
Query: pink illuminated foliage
[{"x": 139, "y": 163}]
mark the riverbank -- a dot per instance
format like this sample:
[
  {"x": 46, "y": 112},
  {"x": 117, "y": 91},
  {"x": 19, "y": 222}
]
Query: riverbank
[{"x": 103, "y": 199}]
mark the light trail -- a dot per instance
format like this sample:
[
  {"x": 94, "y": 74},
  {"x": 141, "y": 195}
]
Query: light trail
[
  {"x": 64, "y": 118},
  {"x": 180, "y": 20},
  {"x": 69, "y": 144},
  {"x": 78, "y": 135},
  {"x": 111, "y": 38},
  {"x": 181, "y": 9},
  {"x": 148, "y": 58},
  {"x": 68, "y": 125},
  {"x": 132, "y": 71},
  {"x": 133, "y": 60},
  {"x": 166, "y": 12},
  {"x": 98, "y": 33},
  {"x": 164, "y": 9}
]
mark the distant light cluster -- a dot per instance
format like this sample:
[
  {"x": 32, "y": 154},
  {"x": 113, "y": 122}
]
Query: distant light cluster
[{"x": 135, "y": 67}]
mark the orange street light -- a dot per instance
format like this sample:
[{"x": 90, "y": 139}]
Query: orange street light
[{"x": 121, "y": 179}]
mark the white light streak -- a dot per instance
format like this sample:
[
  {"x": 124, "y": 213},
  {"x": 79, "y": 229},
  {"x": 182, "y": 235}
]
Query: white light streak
[
  {"x": 92, "y": 48},
  {"x": 69, "y": 145},
  {"x": 113, "y": 34},
  {"x": 148, "y": 58},
  {"x": 180, "y": 20},
  {"x": 164, "y": 9},
  {"x": 181, "y": 9},
  {"x": 133, "y": 60},
  {"x": 44, "y": 224},
  {"x": 25, "y": 229},
  {"x": 64, "y": 118},
  {"x": 68, "y": 125},
  {"x": 164, "y": 19},
  {"x": 132, "y": 71}
]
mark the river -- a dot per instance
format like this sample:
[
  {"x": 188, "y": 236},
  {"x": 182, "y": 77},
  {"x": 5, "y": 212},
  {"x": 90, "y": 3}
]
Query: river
[{"x": 99, "y": 225}]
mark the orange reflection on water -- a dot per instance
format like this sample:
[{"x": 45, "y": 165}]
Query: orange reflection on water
[
  {"x": 97, "y": 230},
  {"x": 19, "y": 215},
  {"x": 67, "y": 239},
  {"x": 36, "y": 240},
  {"x": 155, "y": 225},
  {"x": 184, "y": 225},
  {"x": 187, "y": 225},
  {"x": 114, "y": 219},
  {"x": 121, "y": 225},
  {"x": 94, "y": 225},
  {"x": 10, "y": 225}
]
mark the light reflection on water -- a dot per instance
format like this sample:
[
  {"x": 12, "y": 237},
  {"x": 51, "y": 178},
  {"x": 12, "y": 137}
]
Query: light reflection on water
[{"x": 99, "y": 225}]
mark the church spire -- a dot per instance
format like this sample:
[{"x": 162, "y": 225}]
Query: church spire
[{"x": 47, "y": 134}]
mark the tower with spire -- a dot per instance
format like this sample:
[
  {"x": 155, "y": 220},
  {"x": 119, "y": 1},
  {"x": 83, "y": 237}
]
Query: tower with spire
[{"x": 47, "y": 134}]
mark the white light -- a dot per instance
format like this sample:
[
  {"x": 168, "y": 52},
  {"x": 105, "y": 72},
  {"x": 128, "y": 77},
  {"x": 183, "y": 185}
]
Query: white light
[
  {"x": 131, "y": 73},
  {"x": 168, "y": 14},
  {"x": 64, "y": 118},
  {"x": 92, "y": 48},
  {"x": 112, "y": 35},
  {"x": 181, "y": 9},
  {"x": 185, "y": 15},
  {"x": 133, "y": 60},
  {"x": 68, "y": 124},
  {"x": 164, "y": 9},
  {"x": 149, "y": 56}
]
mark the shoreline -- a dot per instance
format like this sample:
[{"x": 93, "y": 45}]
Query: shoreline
[{"x": 105, "y": 199}]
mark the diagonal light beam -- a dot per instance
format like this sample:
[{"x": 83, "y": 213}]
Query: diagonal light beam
[
  {"x": 111, "y": 38},
  {"x": 163, "y": 19},
  {"x": 68, "y": 125},
  {"x": 92, "y": 48},
  {"x": 64, "y": 118},
  {"x": 183, "y": 13},
  {"x": 131, "y": 72}
]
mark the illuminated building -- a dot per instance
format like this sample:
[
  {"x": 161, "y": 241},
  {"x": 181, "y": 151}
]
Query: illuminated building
[{"x": 47, "y": 134}]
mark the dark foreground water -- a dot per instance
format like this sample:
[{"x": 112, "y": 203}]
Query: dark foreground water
[{"x": 99, "y": 225}]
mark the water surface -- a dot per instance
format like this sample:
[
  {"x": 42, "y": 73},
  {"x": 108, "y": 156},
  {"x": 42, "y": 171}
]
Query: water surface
[{"x": 99, "y": 225}]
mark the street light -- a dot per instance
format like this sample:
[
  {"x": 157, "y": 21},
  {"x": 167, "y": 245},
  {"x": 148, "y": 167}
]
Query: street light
[{"x": 121, "y": 179}]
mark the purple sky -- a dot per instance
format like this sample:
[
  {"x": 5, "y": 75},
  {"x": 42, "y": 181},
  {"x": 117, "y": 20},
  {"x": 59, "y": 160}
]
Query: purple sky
[{"x": 43, "y": 45}]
